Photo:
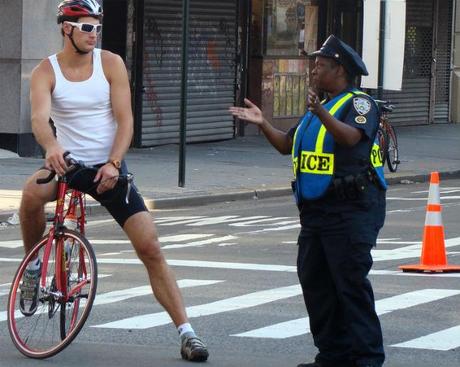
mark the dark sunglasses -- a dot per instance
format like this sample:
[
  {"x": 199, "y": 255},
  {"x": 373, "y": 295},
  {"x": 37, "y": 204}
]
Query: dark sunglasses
[{"x": 87, "y": 27}]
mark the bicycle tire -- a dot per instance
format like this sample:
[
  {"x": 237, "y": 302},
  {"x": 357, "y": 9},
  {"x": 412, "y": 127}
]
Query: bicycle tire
[
  {"x": 40, "y": 335},
  {"x": 392, "y": 149},
  {"x": 75, "y": 270}
]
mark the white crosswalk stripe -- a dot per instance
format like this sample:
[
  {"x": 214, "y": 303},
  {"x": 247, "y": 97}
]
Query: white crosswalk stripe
[
  {"x": 201, "y": 243},
  {"x": 300, "y": 326},
  {"x": 124, "y": 294},
  {"x": 439, "y": 340},
  {"x": 443, "y": 340},
  {"x": 225, "y": 305}
]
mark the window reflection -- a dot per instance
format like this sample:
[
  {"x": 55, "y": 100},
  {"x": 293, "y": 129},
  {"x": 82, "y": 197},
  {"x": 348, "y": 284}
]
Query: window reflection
[{"x": 290, "y": 27}]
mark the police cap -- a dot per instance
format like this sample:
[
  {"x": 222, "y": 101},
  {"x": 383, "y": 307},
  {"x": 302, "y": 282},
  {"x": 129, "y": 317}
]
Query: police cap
[{"x": 338, "y": 50}]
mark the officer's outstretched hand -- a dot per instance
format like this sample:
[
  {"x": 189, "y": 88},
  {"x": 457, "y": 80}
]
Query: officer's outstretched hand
[
  {"x": 251, "y": 114},
  {"x": 314, "y": 103}
]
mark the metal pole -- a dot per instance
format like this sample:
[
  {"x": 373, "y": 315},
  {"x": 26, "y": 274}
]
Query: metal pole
[
  {"x": 381, "y": 48},
  {"x": 245, "y": 8},
  {"x": 139, "y": 71},
  {"x": 183, "y": 102}
]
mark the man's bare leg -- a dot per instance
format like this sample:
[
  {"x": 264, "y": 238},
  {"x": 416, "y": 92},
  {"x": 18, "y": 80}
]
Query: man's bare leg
[
  {"x": 144, "y": 237},
  {"x": 32, "y": 208},
  {"x": 33, "y": 224}
]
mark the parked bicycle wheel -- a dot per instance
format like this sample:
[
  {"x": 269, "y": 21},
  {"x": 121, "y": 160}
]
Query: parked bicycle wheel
[
  {"x": 60, "y": 313},
  {"x": 392, "y": 149}
]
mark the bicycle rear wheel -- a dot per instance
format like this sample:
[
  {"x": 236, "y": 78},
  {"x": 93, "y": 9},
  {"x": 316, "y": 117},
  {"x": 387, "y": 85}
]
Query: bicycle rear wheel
[
  {"x": 392, "y": 149},
  {"x": 59, "y": 317}
]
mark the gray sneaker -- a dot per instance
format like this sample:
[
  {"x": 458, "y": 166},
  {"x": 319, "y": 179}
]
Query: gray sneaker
[
  {"x": 28, "y": 300},
  {"x": 193, "y": 349}
]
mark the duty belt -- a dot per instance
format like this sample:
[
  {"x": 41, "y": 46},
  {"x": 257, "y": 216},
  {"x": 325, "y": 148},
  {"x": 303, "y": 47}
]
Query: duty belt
[{"x": 351, "y": 186}]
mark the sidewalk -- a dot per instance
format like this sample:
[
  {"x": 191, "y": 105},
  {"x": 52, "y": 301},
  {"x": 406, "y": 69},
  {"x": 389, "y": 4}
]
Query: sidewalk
[{"x": 243, "y": 168}]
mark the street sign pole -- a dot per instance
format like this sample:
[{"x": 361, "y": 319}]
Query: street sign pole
[
  {"x": 381, "y": 49},
  {"x": 184, "y": 84}
]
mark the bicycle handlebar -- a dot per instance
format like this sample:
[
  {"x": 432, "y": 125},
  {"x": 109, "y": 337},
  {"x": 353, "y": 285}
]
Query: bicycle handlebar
[
  {"x": 125, "y": 178},
  {"x": 384, "y": 105},
  {"x": 42, "y": 181},
  {"x": 69, "y": 161}
]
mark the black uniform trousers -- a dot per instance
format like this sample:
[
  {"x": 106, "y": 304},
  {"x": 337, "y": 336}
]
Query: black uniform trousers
[{"x": 333, "y": 262}]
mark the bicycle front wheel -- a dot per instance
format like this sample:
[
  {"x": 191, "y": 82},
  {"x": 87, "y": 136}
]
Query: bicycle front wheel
[
  {"x": 392, "y": 150},
  {"x": 62, "y": 305}
]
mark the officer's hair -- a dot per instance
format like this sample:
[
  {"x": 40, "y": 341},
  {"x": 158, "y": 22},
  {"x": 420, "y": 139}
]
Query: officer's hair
[{"x": 350, "y": 78}]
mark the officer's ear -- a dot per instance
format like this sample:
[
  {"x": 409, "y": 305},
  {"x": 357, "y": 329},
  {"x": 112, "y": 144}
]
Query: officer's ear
[{"x": 341, "y": 71}]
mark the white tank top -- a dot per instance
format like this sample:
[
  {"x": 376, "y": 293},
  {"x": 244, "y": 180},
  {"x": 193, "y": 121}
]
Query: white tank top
[{"x": 82, "y": 114}]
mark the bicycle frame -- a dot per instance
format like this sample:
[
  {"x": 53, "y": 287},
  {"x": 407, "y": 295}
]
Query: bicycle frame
[{"x": 75, "y": 202}]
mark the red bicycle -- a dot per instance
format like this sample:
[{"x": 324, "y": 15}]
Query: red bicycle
[
  {"x": 386, "y": 135},
  {"x": 67, "y": 283}
]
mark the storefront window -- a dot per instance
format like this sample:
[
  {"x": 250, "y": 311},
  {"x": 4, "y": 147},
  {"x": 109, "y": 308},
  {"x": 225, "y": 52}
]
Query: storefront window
[{"x": 291, "y": 27}]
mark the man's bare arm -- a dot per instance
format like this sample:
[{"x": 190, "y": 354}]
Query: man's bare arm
[
  {"x": 41, "y": 85},
  {"x": 120, "y": 97}
]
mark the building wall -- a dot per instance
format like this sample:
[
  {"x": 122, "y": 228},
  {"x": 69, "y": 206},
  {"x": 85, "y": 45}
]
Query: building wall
[
  {"x": 455, "y": 90},
  {"x": 28, "y": 33}
]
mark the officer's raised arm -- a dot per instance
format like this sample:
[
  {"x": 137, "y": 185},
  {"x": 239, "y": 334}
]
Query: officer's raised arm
[
  {"x": 279, "y": 139},
  {"x": 343, "y": 133}
]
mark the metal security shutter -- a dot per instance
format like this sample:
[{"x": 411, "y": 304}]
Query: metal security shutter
[
  {"x": 443, "y": 63},
  {"x": 413, "y": 102},
  {"x": 212, "y": 71}
]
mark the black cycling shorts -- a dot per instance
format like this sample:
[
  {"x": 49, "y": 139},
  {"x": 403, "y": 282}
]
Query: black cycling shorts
[{"x": 113, "y": 200}]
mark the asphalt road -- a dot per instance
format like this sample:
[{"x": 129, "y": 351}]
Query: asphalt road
[{"x": 235, "y": 263}]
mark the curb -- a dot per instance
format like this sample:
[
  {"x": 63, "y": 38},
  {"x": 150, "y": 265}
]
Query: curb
[
  {"x": 198, "y": 200},
  {"x": 186, "y": 201}
]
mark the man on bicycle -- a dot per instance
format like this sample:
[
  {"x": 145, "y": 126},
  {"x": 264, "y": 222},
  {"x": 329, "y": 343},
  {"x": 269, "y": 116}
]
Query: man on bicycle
[{"x": 86, "y": 93}]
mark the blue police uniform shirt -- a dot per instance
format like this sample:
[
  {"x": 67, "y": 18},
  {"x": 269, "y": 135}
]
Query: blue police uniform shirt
[{"x": 361, "y": 113}]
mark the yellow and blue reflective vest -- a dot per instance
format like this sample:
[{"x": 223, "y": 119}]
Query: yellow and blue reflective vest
[{"x": 313, "y": 152}]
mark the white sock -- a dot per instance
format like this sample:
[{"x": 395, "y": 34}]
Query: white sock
[
  {"x": 34, "y": 264},
  {"x": 185, "y": 329}
]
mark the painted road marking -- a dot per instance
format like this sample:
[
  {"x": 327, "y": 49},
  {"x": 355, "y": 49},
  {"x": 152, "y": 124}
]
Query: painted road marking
[
  {"x": 257, "y": 222},
  {"x": 241, "y": 266},
  {"x": 175, "y": 219},
  {"x": 163, "y": 239},
  {"x": 217, "y": 307},
  {"x": 407, "y": 252},
  {"x": 300, "y": 326},
  {"x": 124, "y": 294},
  {"x": 395, "y": 198},
  {"x": 201, "y": 243},
  {"x": 443, "y": 340},
  {"x": 121, "y": 295}
]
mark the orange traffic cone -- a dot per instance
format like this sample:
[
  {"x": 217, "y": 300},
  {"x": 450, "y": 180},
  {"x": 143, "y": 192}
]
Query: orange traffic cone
[{"x": 433, "y": 257}]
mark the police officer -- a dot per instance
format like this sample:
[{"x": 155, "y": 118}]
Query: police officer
[{"x": 340, "y": 191}]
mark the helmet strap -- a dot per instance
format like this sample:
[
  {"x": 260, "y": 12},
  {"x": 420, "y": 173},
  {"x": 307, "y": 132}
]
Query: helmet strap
[{"x": 77, "y": 50}]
